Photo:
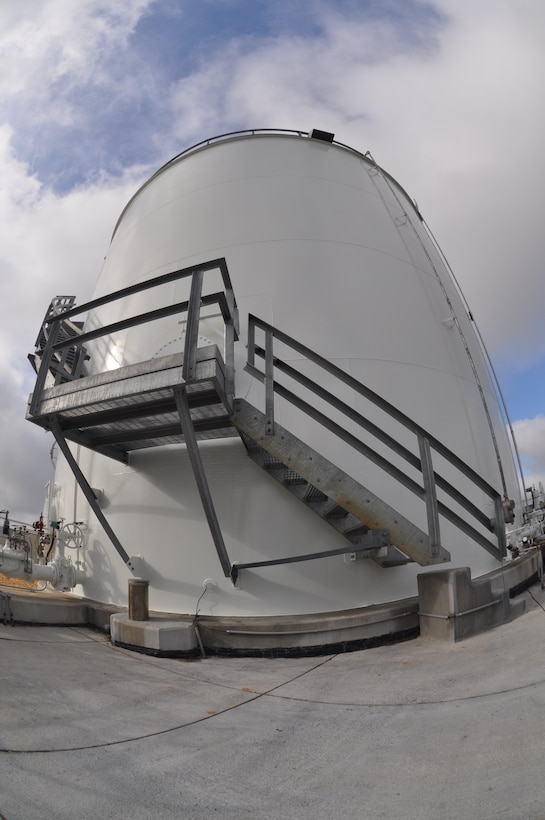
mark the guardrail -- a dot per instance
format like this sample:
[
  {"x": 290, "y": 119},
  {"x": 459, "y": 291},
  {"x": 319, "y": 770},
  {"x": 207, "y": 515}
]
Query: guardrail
[
  {"x": 57, "y": 345},
  {"x": 427, "y": 445}
]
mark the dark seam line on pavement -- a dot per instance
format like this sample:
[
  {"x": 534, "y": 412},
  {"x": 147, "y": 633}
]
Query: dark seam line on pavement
[
  {"x": 140, "y": 658},
  {"x": 413, "y": 703},
  {"x": 535, "y": 599},
  {"x": 267, "y": 693},
  {"x": 162, "y": 731},
  {"x": 144, "y": 659},
  {"x": 403, "y": 703},
  {"x": 40, "y": 642}
]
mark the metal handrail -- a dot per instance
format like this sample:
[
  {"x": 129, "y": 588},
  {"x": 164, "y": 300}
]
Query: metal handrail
[
  {"x": 215, "y": 264},
  {"x": 431, "y": 480},
  {"x": 56, "y": 344},
  {"x": 224, "y": 299}
]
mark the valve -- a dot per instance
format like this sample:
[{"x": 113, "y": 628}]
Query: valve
[
  {"x": 508, "y": 505},
  {"x": 66, "y": 574}
]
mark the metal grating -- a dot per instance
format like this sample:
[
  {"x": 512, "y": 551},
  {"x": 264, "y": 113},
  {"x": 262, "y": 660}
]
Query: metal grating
[{"x": 90, "y": 413}]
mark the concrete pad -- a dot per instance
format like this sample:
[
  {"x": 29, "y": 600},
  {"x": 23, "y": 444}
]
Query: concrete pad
[
  {"x": 72, "y": 689},
  {"x": 50, "y": 607},
  {"x": 44, "y": 607},
  {"x": 453, "y": 606},
  {"x": 420, "y": 730},
  {"x": 155, "y": 635}
]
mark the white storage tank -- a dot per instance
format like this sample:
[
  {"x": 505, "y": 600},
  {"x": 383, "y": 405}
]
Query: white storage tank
[{"x": 325, "y": 247}]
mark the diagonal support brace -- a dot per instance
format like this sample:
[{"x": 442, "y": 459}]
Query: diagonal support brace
[
  {"x": 86, "y": 489},
  {"x": 182, "y": 404}
]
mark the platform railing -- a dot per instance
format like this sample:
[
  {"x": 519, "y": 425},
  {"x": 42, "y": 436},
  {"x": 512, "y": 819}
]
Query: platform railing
[
  {"x": 427, "y": 445},
  {"x": 56, "y": 347},
  {"x": 56, "y": 344}
]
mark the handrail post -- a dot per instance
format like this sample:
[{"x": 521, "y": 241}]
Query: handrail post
[
  {"x": 269, "y": 384},
  {"x": 251, "y": 341},
  {"x": 62, "y": 364},
  {"x": 430, "y": 496},
  {"x": 232, "y": 309},
  {"x": 230, "y": 364},
  {"x": 54, "y": 328},
  {"x": 192, "y": 326},
  {"x": 499, "y": 525},
  {"x": 79, "y": 361},
  {"x": 231, "y": 335}
]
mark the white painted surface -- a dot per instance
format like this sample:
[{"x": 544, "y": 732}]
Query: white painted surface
[{"x": 330, "y": 251}]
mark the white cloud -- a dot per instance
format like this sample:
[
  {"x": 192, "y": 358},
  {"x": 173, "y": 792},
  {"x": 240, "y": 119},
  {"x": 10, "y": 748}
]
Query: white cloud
[
  {"x": 530, "y": 437},
  {"x": 449, "y": 103},
  {"x": 453, "y": 113},
  {"x": 48, "y": 41},
  {"x": 25, "y": 451},
  {"x": 49, "y": 245}
]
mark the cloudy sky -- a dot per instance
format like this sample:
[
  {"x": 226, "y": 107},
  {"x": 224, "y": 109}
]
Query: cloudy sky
[{"x": 96, "y": 94}]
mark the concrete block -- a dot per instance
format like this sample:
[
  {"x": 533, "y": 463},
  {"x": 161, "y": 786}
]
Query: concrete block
[
  {"x": 157, "y": 636},
  {"x": 310, "y": 634},
  {"x": 48, "y": 609},
  {"x": 98, "y": 615},
  {"x": 519, "y": 574},
  {"x": 454, "y": 607}
]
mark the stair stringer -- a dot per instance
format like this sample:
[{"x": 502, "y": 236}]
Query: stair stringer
[
  {"x": 345, "y": 491},
  {"x": 366, "y": 543}
]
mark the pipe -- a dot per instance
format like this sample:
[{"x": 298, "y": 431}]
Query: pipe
[{"x": 60, "y": 573}]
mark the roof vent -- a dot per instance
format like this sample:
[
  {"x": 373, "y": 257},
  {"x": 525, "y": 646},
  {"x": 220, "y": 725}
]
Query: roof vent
[{"x": 325, "y": 136}]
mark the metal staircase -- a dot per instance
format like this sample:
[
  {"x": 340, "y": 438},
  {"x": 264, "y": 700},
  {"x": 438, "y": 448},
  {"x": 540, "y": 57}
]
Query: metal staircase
[
  {"x": 190, "y": 396},
  {"x": 385, "y": 535},
  {"x": 344, "y": 504}
]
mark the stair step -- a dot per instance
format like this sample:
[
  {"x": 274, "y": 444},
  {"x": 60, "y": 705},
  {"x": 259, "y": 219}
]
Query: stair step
[
  {"x": 355, "y": 532},
  {"x": 336, "y": 512},
  {"x": 292, "y": 478},
  {"x": 390, "y": 556},
  {"x": 269, "y": 462},
  {"x": 285, "y": 475},
  {"x": 314, "y": 495}
]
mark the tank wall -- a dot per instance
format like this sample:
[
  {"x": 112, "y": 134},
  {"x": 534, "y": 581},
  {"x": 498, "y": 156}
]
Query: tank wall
[
  {"x": 313, "y": 236},
  {"x": 333, "y": 253}
]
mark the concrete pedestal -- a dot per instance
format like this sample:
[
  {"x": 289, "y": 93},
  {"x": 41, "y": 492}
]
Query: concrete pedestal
[
  {"x": 453, "y": 607},
  {"x": 156, "y": 636}
]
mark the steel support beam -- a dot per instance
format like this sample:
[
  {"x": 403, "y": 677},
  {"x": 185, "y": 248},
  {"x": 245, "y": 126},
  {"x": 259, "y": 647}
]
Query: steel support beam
[
  {"x": 192, "y": 327},
  {"x": 182, "y": 404},
  {"x": 86, "y": 488}
]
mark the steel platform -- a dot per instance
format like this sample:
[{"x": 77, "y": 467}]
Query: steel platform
[{"x": 134, "y": 407}]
